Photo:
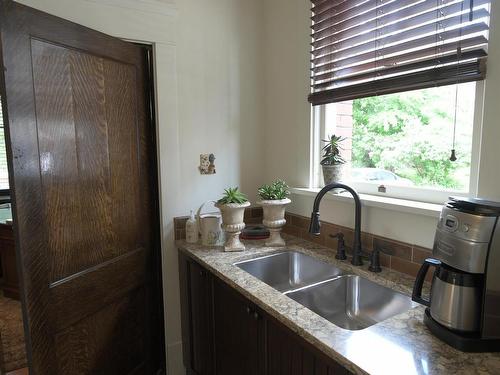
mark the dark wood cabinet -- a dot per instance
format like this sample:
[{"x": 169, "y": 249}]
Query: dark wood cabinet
[
  {"x": 287, "y": 354},
  {"x": 10, "y": 285},
  {"x": 198, "y": 340},
  {"x": 226, "y": 334},
  {"x": 239, "y": 333},
  {"x": 201, "y": 317}
]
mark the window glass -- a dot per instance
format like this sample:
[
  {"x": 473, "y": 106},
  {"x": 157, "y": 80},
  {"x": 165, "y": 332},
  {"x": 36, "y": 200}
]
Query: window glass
[
  {"x": 405, "y": 139},
  {"x": 4, "y": 175}
]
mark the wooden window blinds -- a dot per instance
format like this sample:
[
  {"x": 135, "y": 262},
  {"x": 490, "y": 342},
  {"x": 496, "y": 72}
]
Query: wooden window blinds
[{"x": 363, "y": 48}]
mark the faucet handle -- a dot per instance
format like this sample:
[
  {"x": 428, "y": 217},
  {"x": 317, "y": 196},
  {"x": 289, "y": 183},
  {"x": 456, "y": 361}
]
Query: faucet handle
[
  {"x": 340, "y": 246},
  {"x": 338, "y": 235},
  {"x": 375, "y": 261}
]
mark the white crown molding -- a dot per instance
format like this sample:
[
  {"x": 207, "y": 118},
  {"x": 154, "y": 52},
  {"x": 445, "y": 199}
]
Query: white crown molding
[{"x": 148, "y": 6}]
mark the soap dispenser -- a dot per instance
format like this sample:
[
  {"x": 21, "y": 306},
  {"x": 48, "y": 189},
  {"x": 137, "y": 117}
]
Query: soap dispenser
[{"x": 191, "y": 229}]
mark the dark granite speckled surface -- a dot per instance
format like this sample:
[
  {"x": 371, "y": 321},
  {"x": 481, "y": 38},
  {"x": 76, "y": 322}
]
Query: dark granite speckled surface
[{"x": 401, "y": 345}]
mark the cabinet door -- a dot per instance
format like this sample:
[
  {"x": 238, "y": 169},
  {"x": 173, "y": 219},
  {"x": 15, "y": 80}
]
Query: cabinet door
[
  {"x": 284, "y": 356},
  {"x": 288, "y": 355},
  {"x": 239, "y": 333},
  {"x": 197, "y": 321},
  {"x": 200, "y": 284}
]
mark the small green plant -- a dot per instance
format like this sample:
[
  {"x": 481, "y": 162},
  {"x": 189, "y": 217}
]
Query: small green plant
[
  {"x": 233, "y": 195},
  {"x": 277, "y": 190},
  {"x": 331, "y": 151}
]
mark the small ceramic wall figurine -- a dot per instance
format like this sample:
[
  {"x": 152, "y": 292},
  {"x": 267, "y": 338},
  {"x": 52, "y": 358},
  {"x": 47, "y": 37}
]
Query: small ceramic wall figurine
[
  {"x": 207, "y": 165},
  {"x": 211, "y": 166}
]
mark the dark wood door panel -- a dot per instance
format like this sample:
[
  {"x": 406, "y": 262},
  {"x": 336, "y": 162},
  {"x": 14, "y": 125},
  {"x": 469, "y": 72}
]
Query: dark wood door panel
[
  {"x": 96, "y": 237},
  {"x": 83, "y": 294},
  {"x": 93, "y": 103},
  {"x": 96, "y": 344},
  {"x": 51, "y": 72},
  {"x": 122, "y": 116}
]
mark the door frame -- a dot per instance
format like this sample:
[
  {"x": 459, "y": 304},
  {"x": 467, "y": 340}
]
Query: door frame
[
  {"x": 159, "y": 354},
  {"x": 156, "y": 247}
]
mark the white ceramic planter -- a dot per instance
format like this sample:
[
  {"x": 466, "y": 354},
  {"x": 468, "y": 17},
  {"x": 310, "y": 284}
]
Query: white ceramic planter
[
  {"x": 274, "y": 219},
  {"x": 233, "y": 224},
  {"x": 332, "y": 173}
]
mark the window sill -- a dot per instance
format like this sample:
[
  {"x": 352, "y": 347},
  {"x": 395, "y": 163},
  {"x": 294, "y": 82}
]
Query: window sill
[{"x": 394, "y": 204}]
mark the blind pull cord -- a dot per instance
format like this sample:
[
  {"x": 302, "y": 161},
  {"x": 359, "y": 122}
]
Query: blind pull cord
[{"x": 453, "y": 156}]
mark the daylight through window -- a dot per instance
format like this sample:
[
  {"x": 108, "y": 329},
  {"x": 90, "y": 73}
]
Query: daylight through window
[
  {"x": 4, "y": 174},
  {"x": 405, "y": 139}
]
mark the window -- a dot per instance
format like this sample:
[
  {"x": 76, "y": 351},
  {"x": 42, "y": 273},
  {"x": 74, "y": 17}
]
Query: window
[
  {"x": 4, "y": 174},
  {"x": 404, "y": 140},
  {"x": 402, "y": 81}
]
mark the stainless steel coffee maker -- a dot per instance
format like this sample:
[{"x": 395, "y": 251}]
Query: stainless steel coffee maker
[{"x": 464, "y": 305}]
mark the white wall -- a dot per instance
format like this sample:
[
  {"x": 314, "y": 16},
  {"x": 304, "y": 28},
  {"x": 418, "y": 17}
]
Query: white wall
[
  {"x": 209, "y": 99},
  {"x": 287, "y": 85},
  {"x": 489, "y": 167},
  {"x": 288, "y": 118}
]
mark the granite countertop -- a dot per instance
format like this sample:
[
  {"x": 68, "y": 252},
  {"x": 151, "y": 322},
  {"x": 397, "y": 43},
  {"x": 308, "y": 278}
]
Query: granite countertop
[{"x": 401, "y": 345}]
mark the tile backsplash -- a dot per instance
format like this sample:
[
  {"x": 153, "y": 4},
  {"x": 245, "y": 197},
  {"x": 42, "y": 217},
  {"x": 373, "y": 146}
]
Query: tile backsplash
[{"x": 396, "y": 255}]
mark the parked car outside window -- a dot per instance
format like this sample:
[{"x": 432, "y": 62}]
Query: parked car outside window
[{"x": 377, "y": 174}]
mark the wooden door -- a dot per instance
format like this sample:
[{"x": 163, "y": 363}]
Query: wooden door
[
  {"x": 81, "y": 152},
  {"x": 239, "y": 333}
]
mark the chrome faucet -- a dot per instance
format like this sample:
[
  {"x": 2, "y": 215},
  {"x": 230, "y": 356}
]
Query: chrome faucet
[{"x": 314, "y": 226}]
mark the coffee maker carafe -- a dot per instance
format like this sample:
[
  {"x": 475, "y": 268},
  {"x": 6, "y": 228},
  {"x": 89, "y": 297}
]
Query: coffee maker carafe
[{"x": 464, "y": 305}]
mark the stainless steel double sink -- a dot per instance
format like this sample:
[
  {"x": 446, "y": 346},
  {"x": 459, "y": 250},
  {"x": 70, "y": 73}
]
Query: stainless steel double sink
[{"x": 348, "y": 301}]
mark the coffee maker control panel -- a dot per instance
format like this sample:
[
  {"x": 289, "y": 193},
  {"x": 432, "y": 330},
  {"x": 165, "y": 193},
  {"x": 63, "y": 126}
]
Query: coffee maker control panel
[
  {"x": 466, "y": 226},
  {"x": 451, "y": 223},
  {"x": 462, "y": 239}
]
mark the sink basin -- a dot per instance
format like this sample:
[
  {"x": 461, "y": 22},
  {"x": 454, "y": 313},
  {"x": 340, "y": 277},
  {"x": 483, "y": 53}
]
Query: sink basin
[
  {"x": 289, "y": 270},
  {"x": 348, "y": 301},
  {"x": 352, "y": 302}
]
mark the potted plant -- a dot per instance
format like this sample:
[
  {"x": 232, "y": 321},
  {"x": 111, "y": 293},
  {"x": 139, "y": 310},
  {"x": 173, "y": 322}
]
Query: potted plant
[
  {"x": 332, "y": 162},
  {"x": 232, "y": 206},
  {"x": 274, "y": 198}
]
